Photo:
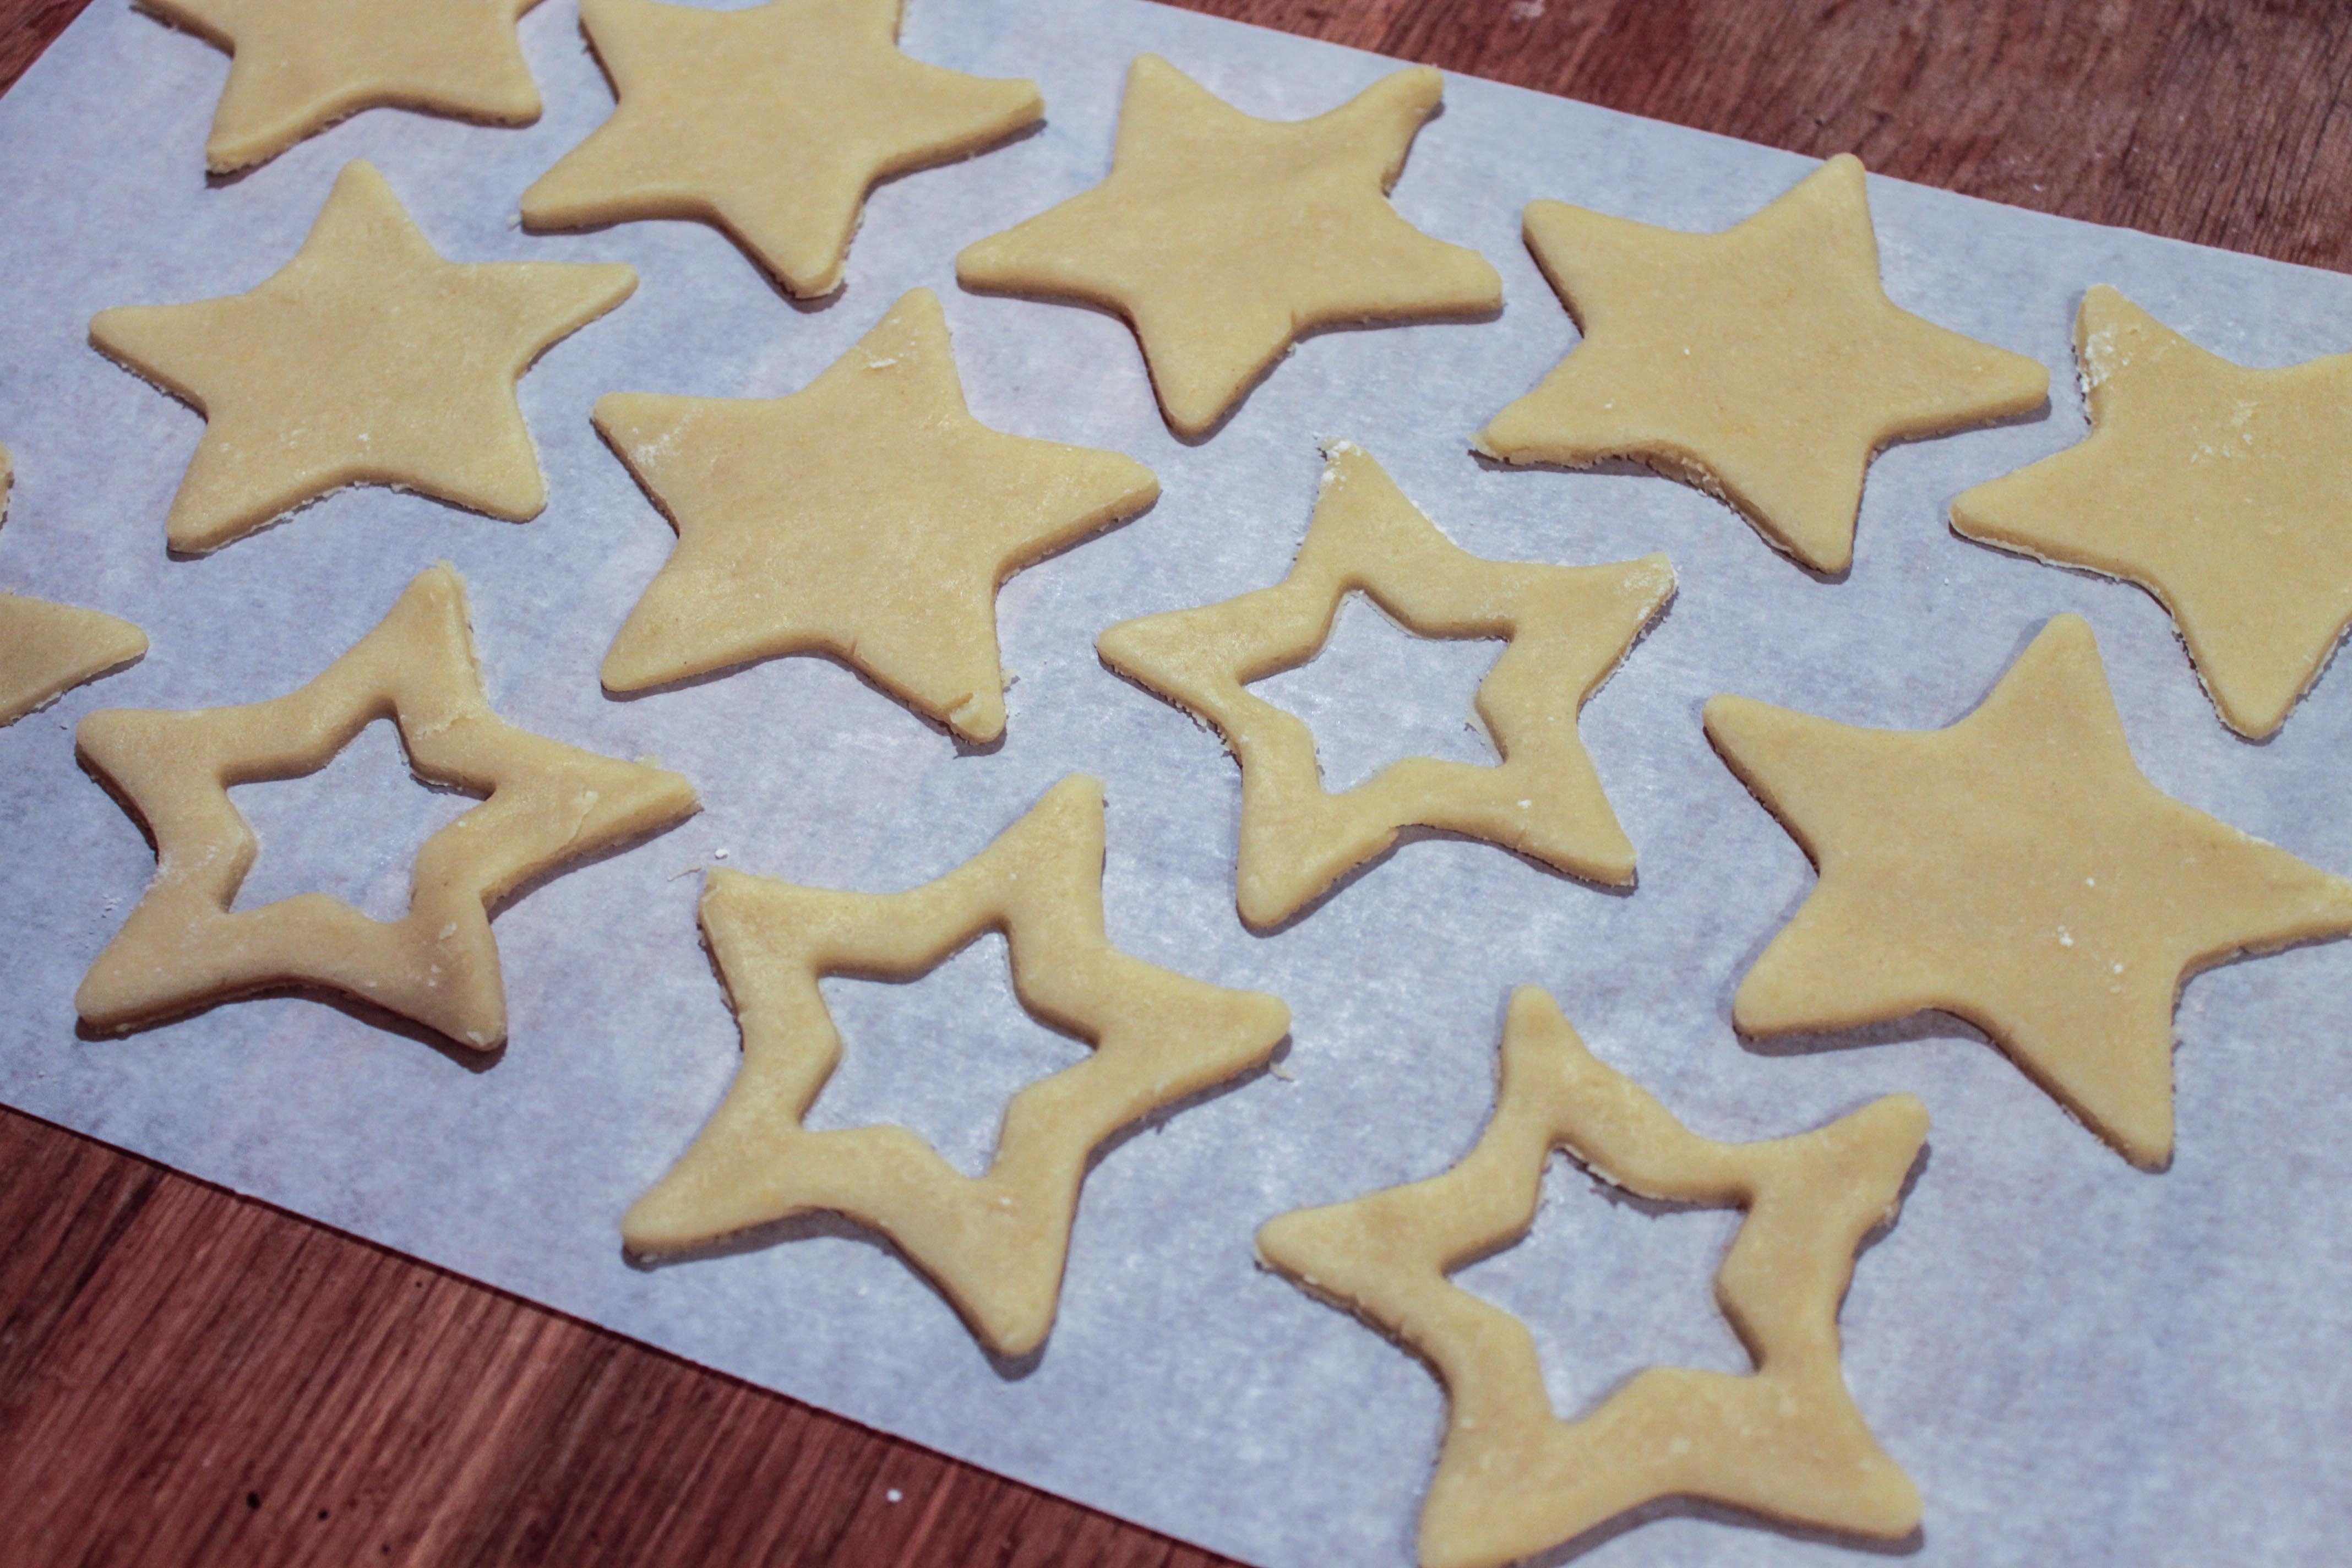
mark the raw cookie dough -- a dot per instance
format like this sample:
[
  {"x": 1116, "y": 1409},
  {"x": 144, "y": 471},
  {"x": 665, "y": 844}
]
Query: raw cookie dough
[
  {"x": 547, "y": 803},
  {"x": 771, "y": 123},
  {"x": 366, "y": 360},
  {"x": 2014, "y": 869},
  {"x": 1221, "y": 237},
  {"x": 1764, "y": 364},
  {"x": 46, "y": 650},
  {"x": 1512, "y": 1480},
  {"x": 1569, "y": 628},
  {"x": 299, "y": 66},
  {"x": 995, "y": 1246},
  {"x": 2226, "y": 492},
  {"x": 869, "y": 516}
]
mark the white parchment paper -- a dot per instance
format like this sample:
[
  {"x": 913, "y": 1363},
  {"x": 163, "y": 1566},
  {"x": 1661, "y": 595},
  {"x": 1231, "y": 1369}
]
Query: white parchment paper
[{"x": 2080, "y": 1363}]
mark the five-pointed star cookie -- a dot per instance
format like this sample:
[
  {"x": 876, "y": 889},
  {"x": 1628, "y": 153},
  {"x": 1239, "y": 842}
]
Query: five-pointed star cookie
[
  {"x": 771, "y": 123},
  {"x": 299, "y": 66},
  {"x": 1764, "y": 364},
  {"x": 48, "y": 649},
  {"x": 2017, "y": 871},
  {"x": 547, "y": 803},
  {"x": 869, "y": 516},
  {"x": 995, "y": 1246},
  {"x": 1785, "y": 1441},
  {"x": 365, "y": 359},
  {"x": 1221, "y": 237},
  {"x": 1568, "y": 628},
  {"x": 2226, "y": 492}
]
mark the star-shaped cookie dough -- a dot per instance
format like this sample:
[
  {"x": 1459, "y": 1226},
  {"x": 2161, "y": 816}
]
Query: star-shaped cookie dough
[
  {"x": 771, "y": 123},
  {"x": 299, "y": 66},
  {"x": 48, "y": 649},
  {"x": 1222, "y": 239},
  {"x": 366, "y": 360},
  {"x": 2017, "y": 871},
  {"x": 1785, "y": 1441},
  {"x": 547, "y": 803},
  {"x": 1568, "y": 628},
  {"x": 995, "y": 1246},
  {"x": 1764, "y": 364},
  {"x": 869, "y": 516},
  {"x": 2226, "y": 492}
]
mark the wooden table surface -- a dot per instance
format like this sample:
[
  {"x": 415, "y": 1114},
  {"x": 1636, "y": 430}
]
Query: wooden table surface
[{"x": 187, "y": 1377}]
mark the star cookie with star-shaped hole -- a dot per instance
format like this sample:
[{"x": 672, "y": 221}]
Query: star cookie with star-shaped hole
[
  {"x": 296, "y": 67},
  {"x": 1221, "y": 237},
  {"x": 1569, "y": 628},
  {"x": 2015, "y": 869},
  {"x": 867, "y": 516},
  {"x": 995, "y": 1245},
  {"x": 1764, "y": 364},
  {"x": 366, "y": 360},
  {"x": 182, "y": 949},
  {"x": 46, "y": 649},
  {"x": 2224, "y": 491},
  {"x": 1785, "y": 1441},
  {"x": 771, "y": 123}
]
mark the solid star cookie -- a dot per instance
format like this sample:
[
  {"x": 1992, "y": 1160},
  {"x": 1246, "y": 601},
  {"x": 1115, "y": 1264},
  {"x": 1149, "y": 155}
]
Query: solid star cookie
[
  {"x": 1222, "y": 239},
  {"x": 2017, "y": 871},
  {"x": 1785, "y": 1441},
  {"x": 366, "y": 360},
  {"x": 547, "y": 803},
  {"x": 1764, "y": 364},
  {"x": 46, "y": 650},
  {"x": 2224, "y": 491},
  {"x": 1569, "y": 628},
  {"x": 995, "y": 1246},
  {"x": 771, "y": 123},
  {"x": 867, "y": 516},
  {"x": 299, "y": 66}
]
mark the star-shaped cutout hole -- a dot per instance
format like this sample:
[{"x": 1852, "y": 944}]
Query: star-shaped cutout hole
[
  {"x": 366, "y": 360},
  {"x": 2224, "y": 491},
  {"x": 771, "y": 123},
  {"x": 1764, "y": 364},
  {"x": 1568, "y": 628},
  {"x": 1221, "y": 237},
  {"x": 547, "y": 803},
  {"x": 2017, "y": 871},
  {"x": 867, "y": 516},
  {"x": 299, "y": 66},
  {"x": 995, "y": 1245},
  {"x": 1785, "y": 1441}
]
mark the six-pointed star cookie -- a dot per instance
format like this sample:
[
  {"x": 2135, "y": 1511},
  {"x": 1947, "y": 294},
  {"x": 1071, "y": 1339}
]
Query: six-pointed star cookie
[
  {"x": 2017, "y": 871},
  {"x": 995, "y": 1246},
  {"x": 365, "y": 359},
  {"x": 1764, "y": 364},
  {"x": 869, "y": 516},
  {"x": 1568, "y": 625},
  {"x": 771, "y": 123},
  {"x": 548, "y": 804},
  {"x": 1221, "y": 237},
  {"x": 299, "y": 66},
  {"x": 2226, "y": 492},
  {"x": 1785, "y": 1441}
]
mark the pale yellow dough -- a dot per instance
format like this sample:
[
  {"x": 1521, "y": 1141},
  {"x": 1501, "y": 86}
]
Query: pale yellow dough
[
  {"x": 299, "y": 66},
  {"x": 1764, "y": 364},
  {"x": 46, "y": 650},
  {"x": 869, "y": 516},
  {"x": 366, "y": 360},
  {"x": 548, "y": 804},
  {"x": 1221, "y": 237},
  {"x": 771, "y": 123},
  {"x": 995, "y": 1246},
  {"x": 2014, "y": 869},
  {"x": 1568, "y": 628},
  {"x": 1512, "y": 1478},
  {"x": 2224, "y": 491}
]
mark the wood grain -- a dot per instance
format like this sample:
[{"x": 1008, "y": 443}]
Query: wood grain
[{"x": 186, "y": 1377}]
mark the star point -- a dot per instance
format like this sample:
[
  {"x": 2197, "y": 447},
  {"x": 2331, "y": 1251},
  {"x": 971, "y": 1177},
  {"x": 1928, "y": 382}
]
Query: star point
[{"x": 867, "y": 516}]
